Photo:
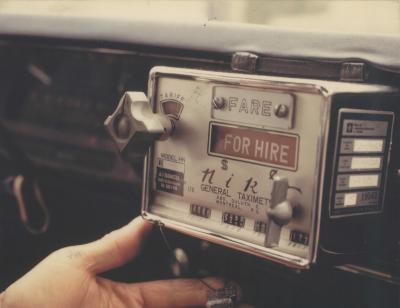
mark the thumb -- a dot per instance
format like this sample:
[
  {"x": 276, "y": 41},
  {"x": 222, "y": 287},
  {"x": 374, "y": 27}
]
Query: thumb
[{"x": 117, "y": 247}]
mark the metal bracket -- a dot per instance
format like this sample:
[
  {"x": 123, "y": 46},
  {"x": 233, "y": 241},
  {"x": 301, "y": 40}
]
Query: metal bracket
[
  {"x": 244, "y": 62},
  {"x": 353, "y": 71}
]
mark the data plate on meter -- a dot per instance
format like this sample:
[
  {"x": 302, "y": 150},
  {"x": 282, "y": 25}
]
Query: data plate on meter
[
  {"x": 218, "y": 170},
  {"x": 361, "y": 162}
]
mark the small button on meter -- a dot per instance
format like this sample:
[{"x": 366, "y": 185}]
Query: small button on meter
[{"x": 246, "y": 148}]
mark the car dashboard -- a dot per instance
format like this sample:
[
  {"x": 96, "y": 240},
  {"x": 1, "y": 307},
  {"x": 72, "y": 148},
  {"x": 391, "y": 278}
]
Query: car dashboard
[{"x": 62, "y": 74}]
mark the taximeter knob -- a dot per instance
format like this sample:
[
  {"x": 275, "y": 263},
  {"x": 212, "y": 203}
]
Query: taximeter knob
[
  {"x": 280, "y": 212},
  {"x": 134, "y": 127}
]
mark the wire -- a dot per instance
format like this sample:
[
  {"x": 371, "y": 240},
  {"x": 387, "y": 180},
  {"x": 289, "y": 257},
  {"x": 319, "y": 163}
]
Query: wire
[
  {"x": 19, "y": 196},
  {"x": 170, "y": 250},
  {"x": 26, "y": 170}
]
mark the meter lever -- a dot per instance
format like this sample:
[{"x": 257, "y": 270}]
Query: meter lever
[
  {"x": 280, "y": 212},
  {"x": 134, "y": 127}
]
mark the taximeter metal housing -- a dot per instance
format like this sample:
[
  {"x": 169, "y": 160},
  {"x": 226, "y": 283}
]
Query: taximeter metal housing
[{"x": 255, "y": 161}]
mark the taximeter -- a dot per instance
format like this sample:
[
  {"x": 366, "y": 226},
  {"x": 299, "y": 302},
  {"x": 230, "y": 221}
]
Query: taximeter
[{"x": 278, "y": 167}]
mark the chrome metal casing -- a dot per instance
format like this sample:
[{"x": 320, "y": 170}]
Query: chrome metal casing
[{"x": 194, "y": 89}]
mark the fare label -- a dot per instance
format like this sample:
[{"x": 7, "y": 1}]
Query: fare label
[
  {"x": 254, "y": 145},
  {"x": 255, "y": 107}
]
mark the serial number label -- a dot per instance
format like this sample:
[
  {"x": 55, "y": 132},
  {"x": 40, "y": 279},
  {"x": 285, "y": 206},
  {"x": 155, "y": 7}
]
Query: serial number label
[
  {"x": 233, "y": 219},
  {"x": 360, "y": 198},
  {"x": 169, "y": 181},
  {"x": 200, "y": 210},
  {"x": 254, "y": 145}
]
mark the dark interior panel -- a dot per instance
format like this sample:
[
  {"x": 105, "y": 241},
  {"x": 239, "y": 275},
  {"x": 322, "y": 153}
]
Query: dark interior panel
[{"x": 54, "y": 98}]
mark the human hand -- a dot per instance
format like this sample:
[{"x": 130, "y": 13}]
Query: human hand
[{"x": 67, "y": 278}]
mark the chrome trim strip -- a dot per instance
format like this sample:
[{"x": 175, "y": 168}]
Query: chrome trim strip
[
  {"x": 115, "y": 51},
  {"x": 263, "y": 252},
  {"x": 369, "y": 272},
  {"x": 326, "y": 118}
]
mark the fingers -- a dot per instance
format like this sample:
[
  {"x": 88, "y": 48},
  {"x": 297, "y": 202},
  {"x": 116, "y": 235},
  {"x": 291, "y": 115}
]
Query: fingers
[
  {"x": 173, "y": 293},
  {"x": 117, "y": 247}
]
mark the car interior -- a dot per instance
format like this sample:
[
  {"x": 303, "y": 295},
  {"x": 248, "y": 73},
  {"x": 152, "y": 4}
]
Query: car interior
[{"x": 261, "y": 138}]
